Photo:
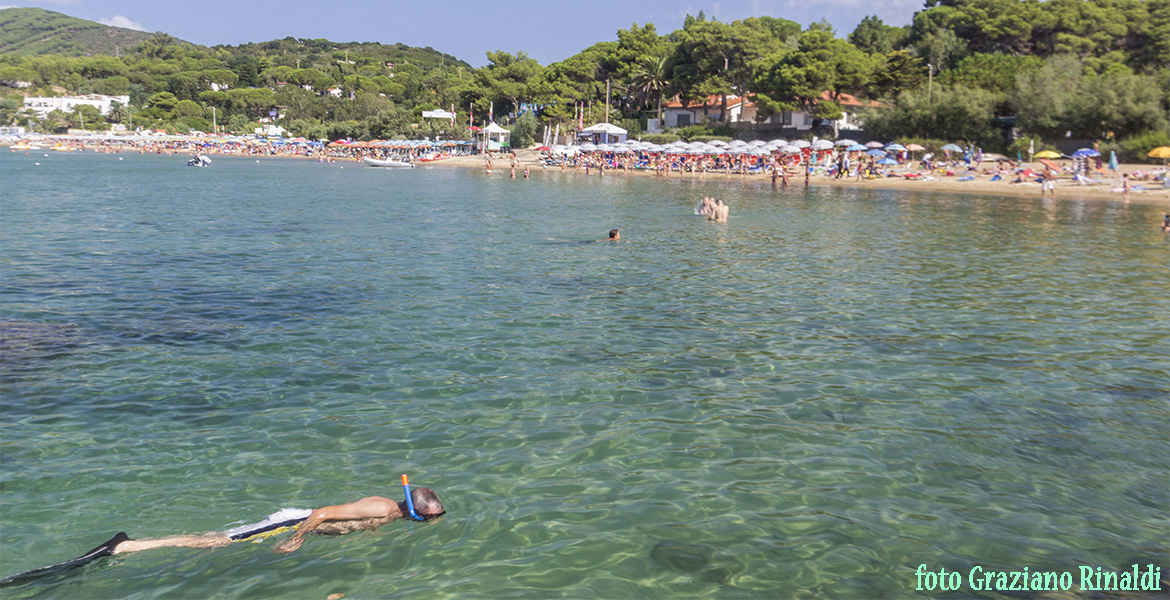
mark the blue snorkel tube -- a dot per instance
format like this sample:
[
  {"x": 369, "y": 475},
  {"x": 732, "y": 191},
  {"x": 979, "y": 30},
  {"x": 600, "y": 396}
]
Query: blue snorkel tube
[{"x": 409, "y": 500}]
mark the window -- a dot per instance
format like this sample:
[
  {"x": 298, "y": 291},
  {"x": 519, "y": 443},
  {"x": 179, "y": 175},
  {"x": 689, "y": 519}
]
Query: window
[
  {"x": 786, "y": 118},
  {"x": 684, "y": 120}
]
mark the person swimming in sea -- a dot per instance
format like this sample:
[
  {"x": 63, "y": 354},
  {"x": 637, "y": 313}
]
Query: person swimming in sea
[{"x": 421, "y": 504}]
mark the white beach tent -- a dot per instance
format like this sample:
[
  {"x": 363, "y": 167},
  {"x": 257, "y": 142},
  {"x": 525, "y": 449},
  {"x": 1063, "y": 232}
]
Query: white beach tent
[
  {"x": 494, "y": 137},
  {"x": 605, "y": 133}
]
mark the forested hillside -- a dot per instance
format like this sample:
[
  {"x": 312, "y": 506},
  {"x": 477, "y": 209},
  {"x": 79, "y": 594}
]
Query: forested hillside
[{"x": 37, "y": 31}]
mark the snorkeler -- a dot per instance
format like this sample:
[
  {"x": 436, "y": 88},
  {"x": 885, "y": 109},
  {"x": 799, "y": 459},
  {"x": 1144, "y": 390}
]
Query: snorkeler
[{"x": 421, "y": 504}]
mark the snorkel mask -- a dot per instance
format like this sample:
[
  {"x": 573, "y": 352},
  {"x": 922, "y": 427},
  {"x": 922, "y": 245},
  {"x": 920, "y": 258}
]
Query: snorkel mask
[{"x": 410, "y": 503}]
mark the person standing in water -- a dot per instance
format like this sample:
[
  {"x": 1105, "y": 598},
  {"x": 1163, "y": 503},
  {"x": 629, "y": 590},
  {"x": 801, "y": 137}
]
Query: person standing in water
[{"x": 719, "y": 212}]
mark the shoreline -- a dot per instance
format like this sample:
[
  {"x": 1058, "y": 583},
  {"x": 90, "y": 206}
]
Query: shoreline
[{"x": 1065, "y": 189}]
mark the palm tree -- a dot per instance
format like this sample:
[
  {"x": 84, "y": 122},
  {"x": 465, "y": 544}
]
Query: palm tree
[
  {"x": 118, "y": 112},
  {"x": 157, "y": 44},
  {"x": 651, "y": 78}
]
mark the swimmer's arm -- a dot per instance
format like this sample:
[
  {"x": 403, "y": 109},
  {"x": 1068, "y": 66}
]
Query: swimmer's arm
[{"x": 373, "y": 507}]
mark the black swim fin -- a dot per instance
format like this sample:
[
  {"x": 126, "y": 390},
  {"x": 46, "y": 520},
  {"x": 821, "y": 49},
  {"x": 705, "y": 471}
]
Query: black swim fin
[{"x": 105, "y": 549}]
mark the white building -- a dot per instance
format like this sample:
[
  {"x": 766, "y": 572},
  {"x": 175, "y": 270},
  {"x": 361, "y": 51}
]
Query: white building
[
  {"x": 43, "y": 106},
  {"x": 740, "y": 110}
]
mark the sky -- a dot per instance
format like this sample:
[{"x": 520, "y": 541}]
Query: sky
[{"x": 548, "y": 30}]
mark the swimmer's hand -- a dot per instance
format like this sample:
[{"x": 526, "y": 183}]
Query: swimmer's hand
[{"x": 290, "y": 545}]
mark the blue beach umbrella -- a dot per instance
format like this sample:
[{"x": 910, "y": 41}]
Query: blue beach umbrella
[
  {"x": 951, "y": 148},
  {"x": 855, "y": 148},
  {"x": 876, "y": 152},
  {"x": 895, "y": 147},
  {"x": 887, "y": 161},
  {"x": 1085, "y": 152}
]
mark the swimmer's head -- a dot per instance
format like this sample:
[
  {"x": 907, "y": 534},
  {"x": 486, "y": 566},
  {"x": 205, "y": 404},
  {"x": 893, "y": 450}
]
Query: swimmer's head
[
  {"x": 426, "y": 503},
  {"x": 614, "y": 235}
]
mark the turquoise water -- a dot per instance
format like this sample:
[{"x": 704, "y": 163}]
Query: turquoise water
[{"x": 810, "y": 400}]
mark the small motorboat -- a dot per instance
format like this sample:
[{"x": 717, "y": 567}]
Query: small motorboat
[
  {"x": 373, "y": 162},
  {"x": 199, "y": 160}
]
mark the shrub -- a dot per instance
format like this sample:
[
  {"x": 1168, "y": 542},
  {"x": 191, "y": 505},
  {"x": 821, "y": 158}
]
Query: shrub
[
  {"x": 660, "y": 138},
  {"x": 1133, "y": 149},
  {"x": 523, "y": 131}
]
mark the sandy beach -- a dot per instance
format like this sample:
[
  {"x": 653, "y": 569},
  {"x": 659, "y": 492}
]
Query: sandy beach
[{"x": 1066, "y": 188}]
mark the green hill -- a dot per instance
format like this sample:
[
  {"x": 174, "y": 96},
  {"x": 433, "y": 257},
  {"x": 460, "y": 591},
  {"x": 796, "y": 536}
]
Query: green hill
[
  {"x": 35, "y": 31},
  {"x": 288, "y": 48}
]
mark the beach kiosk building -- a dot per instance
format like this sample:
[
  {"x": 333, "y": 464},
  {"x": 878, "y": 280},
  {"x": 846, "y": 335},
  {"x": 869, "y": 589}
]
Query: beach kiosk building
[
  {"x": 602, "y": 133},
  {"x": 493, "y": 138}
]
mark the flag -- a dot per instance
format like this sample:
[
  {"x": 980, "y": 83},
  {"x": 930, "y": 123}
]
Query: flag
[{"x": 491, "y": 112}]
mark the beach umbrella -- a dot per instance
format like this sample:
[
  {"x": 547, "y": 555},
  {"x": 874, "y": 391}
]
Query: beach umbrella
[
  {"x": 802, "y": 143},
  {"x": 822, "y": 145},
  {"x": 1159, "y": 152},
  {"x": 1085, "y": 152},
  {"x": 914, "y": 147},
  {"x": 855, "y": 148},
  {"x": 543, "y": 148},
  {"x": 895, "y": 147},
  {"x": 1047, "y": 154},
  {"x": 845, "y": 143},
  {"x": 876, "y": 152},
  {"x": 887, "y": 161},
  {"x": 951, "y": 148},
  {"x": 874, "y": 144}
]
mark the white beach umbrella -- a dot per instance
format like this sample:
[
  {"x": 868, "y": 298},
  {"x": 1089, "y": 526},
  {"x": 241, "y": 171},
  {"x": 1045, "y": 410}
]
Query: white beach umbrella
[
  {"x": 822, "y": 145},
  {"x": 874, "y": 144},
  {"x": 801, "y": 143},
  {"x": 844, "y": 143},
  {"x": 757, "y": 143}
]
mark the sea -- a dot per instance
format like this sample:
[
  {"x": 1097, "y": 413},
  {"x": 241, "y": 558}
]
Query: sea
[{"x": 835, "y": 389}]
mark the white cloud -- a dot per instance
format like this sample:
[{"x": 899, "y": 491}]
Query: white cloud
[{"x": 121, "y": 21}]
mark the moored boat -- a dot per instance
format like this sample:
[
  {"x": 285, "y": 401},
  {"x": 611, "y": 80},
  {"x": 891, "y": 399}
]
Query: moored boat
[{"x": 373, "y": 162}]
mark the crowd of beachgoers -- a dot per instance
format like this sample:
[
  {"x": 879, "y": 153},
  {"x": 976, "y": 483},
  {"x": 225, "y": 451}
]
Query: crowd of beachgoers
[
  {"x": 241, "y": 146},
  {"x": 844, "y": 159},
  {"x": 784, "y": 163}
]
